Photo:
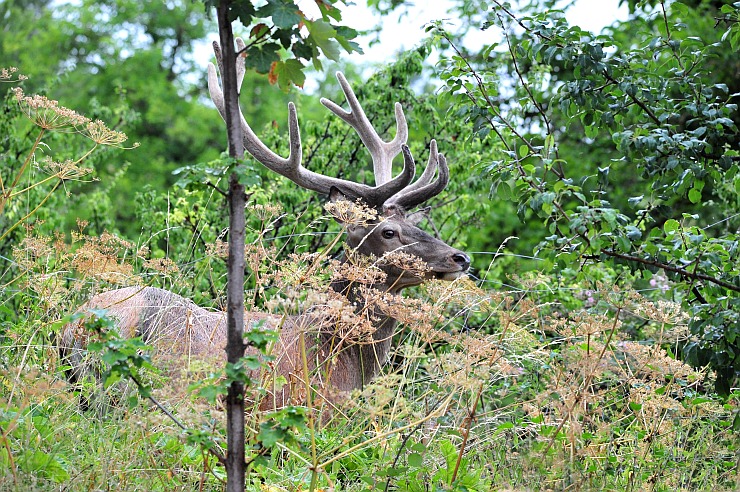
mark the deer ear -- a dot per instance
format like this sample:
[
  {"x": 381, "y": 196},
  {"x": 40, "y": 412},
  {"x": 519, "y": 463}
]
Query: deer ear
[
  {"x": 336, "y": 195},
  {"x": 416, "y": 217}
]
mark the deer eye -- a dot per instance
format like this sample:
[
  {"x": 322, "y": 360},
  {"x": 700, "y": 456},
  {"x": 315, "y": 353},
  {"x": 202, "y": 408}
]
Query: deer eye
[{"x": 389, "y": 233}]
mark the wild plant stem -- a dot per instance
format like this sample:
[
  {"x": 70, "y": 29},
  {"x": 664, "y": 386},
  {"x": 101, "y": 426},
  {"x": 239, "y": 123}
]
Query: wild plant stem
[
  {"x": 6, "y": 192},
  {"x": 6, "y": 444},
  {"x": 466, "y": 433},
  {"x": 586, "y": 383},
  {"x": 323, "y": 254},
  {"x": 59, "y": 175},
  {"x": 23, "y": 219},
  {"x": 309, "y": 403},
  {"x": 385, "y": 435},
  {"x": 141, "y": 387}
]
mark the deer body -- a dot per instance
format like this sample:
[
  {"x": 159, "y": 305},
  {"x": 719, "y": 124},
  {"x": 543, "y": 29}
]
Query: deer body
[{"x": 337, "y": 363}]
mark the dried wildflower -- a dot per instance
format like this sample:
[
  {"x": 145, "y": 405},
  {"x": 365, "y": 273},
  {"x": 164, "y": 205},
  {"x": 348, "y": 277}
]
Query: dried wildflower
[
  {"x": 266, "y": 212},
  {"x": 99, "y": 133},
  {"x": 47, "y": 113},
  {"x": 218, "y": 249},
  {"x": 165, "y": 266},
  {"x": 406, "y": 262},
  {"x": 482, "y": 348},
  {"x": 67, "y": 170},
  {"x": 376, "y": 398},
  {"x": 415, "y": 313},
  {"x": 460, "y": 292},
  {"x": 652, "y": 402},
  {"x": 33, "y": 249},
  {"x": 102, "y": 257},
  {"x": 7, "y": 74},
  {"x": 359, "y": 269},
  {"x": 666, "y": 312},
  {"x": 340, "y": 317},
  {"x": 352, "y": 213},
  {"x": 652, "y": 362},
  {"x": 91, "y": 263},
  {"x": 305, "y": 269},
  {"x": 593, "y": 324},
  {"x": 461, "y": 371}
]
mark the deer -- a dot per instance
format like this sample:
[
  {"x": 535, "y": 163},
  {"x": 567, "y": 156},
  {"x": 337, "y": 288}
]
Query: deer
[{"x": 336, "y": 363}]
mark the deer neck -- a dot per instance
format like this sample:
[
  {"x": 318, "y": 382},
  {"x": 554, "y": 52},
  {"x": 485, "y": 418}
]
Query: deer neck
[{"x": 360, "y": 362}]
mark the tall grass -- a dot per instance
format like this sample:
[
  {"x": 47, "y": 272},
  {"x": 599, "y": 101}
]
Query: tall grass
[{"x": 543, "y": 387}]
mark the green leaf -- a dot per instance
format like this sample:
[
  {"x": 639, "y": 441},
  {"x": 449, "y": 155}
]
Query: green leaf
[
  {"x": 284, "y": 13},
  {"x": 261, "y": 57},
  {"x": 46, "y": 465},
  {"x": 322, "y": 34},
  {"x": 303, "y": 50},
  {"x": 242, "y": 10},
  {"x": 671, "y": 226},
  {"x": 259, "y": 337},
  {"x": 289, "y": 72},
  {"x": 523, "y": 151},
  {"x": 270, "y": 435},
  {"x": 694, "y": 195},
  {"x": 416, "y": 460},
  {"x": 211, "y": 392}
]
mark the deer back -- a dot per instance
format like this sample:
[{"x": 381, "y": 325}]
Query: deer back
[{"x": 179, "y": 329}]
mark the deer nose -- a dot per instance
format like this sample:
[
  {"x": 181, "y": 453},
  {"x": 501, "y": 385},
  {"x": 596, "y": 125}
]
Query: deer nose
[{"x": 461, "y": 259}]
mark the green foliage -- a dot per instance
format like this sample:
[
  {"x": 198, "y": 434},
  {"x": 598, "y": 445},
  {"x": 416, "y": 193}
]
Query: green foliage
[
  {"x": 574, "y": 381},
  {"x": 123, "y": 358},
  {"x": 275, "y": 44},
  {"x": 655, "y": 200}
]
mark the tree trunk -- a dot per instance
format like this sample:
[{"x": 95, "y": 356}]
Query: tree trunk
[{"x": 235, "y": 462}]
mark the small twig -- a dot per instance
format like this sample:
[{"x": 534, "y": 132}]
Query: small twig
[
  {"x": 665, "y": 266},
  {"x": 466, "y": 433},
  {"x": 6, "y": 444}
]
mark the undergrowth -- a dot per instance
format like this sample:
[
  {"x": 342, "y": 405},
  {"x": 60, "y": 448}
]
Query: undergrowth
[
  {"x": 484, "y": 390},
  {"x": 548, "y": 386}
]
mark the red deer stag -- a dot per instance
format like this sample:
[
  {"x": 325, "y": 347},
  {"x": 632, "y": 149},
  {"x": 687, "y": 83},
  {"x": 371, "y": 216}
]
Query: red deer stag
[{"x": 337, "y": 362}]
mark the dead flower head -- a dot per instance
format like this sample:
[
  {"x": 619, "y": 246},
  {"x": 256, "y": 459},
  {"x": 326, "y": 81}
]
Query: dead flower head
[
  {"x": 7, "y": 74},
  {"x": 164, "y": 266},
  {"x": 67, "y": 170},
  {"x": 266, "y": 212},
  {"x": 218, "y": 248},
  {"x": 352, "y": 213},
  {"x": 47, "y": 113},
  {"x": 406, "y": 262},
  {"x": 99, "y": 133},
  {"x": 358, "y": 269}
]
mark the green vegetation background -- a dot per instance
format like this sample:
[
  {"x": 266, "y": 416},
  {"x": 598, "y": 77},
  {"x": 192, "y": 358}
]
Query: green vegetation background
[{"x": 612, "y": 160}]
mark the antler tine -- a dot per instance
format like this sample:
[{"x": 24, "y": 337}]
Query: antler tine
[
  {"x": 241, "y": 61},
  {"x": 291, "y": 167},
  {"x": 381, "y": 152},
  {"x": 424, "y": 188}
]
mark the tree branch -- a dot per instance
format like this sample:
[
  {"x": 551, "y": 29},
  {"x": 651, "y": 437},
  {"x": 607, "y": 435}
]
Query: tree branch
[{"x": 670, "y": 268}]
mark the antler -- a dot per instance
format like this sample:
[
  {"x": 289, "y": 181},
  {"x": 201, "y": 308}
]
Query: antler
[
  {"x": 387, "y": 190},
  {"x": 424, "y": 188},
  {"x": 291, "y": 166},
  {"x": 381, "y": 152}
]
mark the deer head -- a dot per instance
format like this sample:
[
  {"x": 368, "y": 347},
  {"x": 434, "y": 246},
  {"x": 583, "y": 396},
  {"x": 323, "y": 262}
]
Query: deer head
[{"x": 391, "y": 196}]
